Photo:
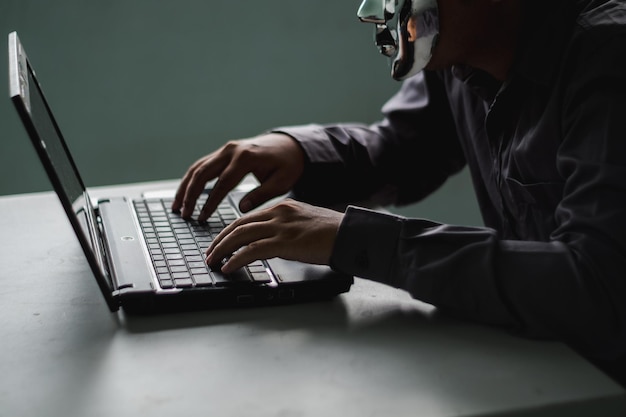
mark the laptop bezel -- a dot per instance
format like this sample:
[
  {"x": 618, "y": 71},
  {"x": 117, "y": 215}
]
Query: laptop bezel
[{"x": 20, "y": 93}]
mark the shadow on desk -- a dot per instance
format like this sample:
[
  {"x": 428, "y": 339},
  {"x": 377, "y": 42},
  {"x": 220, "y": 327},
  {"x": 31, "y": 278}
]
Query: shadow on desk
[
  {"x": 379, "y": 318},
  {"x": 371, "y": 316},
  {"x": 342, "y": 313}
]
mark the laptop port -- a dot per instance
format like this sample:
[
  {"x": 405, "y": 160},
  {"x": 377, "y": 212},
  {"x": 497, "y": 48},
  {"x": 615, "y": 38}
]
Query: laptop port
[{"x": 245, "y": 299}]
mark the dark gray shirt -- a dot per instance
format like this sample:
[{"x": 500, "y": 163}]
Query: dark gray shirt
[{"x": 547, "y": 155}]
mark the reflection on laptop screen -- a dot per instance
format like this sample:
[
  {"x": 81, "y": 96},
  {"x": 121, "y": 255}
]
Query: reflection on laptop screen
[{"x": 53, "y": 145}]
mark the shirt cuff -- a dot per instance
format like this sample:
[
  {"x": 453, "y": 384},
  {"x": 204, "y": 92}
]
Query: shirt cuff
[
  {"x": 314, "y": 141},
  {"x": 366, "y": 244}
]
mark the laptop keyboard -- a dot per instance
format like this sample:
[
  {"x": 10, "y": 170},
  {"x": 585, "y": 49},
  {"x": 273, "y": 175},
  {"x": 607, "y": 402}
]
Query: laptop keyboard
[{"x": 177, "y": 247}]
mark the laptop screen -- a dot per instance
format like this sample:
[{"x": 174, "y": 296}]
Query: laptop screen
[
  {"x": 54, "y": 147},
  {"x": 48, "y": 141}
]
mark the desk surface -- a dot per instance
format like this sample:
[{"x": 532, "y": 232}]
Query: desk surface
[{"x": 371, "y": 352}]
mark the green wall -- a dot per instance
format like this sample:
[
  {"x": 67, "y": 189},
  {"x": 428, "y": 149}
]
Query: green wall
[{"x": 143, "y": 88}]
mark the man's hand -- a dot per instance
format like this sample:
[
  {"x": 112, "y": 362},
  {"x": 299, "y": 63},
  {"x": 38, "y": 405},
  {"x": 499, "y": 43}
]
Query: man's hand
[
  {"x": 289, "y": 230},
  {"x": 276, "y": 160}
]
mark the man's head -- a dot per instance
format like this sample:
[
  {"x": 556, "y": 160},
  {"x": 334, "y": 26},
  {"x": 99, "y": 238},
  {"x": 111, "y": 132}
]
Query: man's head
[
  {"x": 406, "y": 32},
  {"x": 436, "y": 34}
]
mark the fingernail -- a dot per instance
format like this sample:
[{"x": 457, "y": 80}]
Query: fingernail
[
  {"x": 245, "y": 205},
  {"x": 226, "y": 268}
]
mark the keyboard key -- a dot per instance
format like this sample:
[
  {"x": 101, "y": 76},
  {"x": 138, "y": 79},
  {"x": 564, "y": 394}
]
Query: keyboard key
[
  {"x": 203, "y": 280},
  {"x": 156, "y": 206},
  {"x": 219, "y": 278},
  {"x": 256, "y": 268},
  {"x": 261, "y": 277},
  {"x": 166, "y": 284},
  {"x": 183, "y": 282},
  {"x": 164, "y": 277},
  {"x": 236, "y": 278}
]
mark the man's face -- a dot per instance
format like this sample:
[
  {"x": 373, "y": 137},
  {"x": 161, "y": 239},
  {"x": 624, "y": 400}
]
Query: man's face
[{"x": 406, "y": 32}]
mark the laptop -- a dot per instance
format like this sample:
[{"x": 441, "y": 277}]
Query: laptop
[{"x": 145, "y": 258}]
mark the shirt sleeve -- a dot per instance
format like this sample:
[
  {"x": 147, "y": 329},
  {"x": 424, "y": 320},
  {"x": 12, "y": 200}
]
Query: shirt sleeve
[
  {"x": 398, "y": 160},
  {"x": 539, "y": 289},
  {"x": 457, "y": 268}
]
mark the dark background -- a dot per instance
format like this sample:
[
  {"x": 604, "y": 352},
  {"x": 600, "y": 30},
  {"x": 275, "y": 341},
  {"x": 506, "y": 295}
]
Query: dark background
[{"x": 143, "y": 88}]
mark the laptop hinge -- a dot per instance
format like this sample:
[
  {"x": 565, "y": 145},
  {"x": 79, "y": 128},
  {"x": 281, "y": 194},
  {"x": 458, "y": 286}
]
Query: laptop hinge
[{"x": 98, "y": 241}]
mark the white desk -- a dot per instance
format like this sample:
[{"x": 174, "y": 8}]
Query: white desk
[{"x": 370, "y": 352}]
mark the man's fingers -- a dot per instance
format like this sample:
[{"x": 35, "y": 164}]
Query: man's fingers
[
  {"x": 182, "y": 187},
  {"x": 252, "y": 223},
  {"x": 260, "y": 249},
  {"x": 275, "y": 159},
  {"x": 207, "y": 171},
  {"x": 290, "y": 230},
  {"x": 228, "y": 179},
  {"x": 270, "y": 188},
  {"x": 192, "y": 192},
  {"x": 243, "y": 237}
]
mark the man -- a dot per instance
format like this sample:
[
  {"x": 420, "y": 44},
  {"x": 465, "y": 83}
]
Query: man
[{"x": 531, "y": 95}]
